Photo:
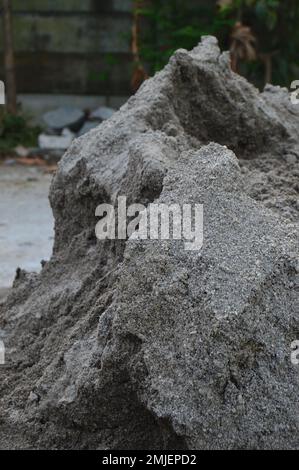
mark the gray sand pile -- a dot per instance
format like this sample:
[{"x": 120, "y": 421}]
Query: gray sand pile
[{"x": 142, "y": 344}]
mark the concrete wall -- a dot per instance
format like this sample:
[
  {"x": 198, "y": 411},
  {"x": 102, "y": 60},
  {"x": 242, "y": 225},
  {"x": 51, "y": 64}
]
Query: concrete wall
[{"x": 72, "y": 46}]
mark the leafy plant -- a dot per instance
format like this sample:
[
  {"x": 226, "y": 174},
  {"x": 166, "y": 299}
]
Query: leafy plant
[
  {"x": 274, "y": 25},
  {"x": 174, "y": 24},
  {"x": 266, "y": 43},
  {"x": 14, "y": 131}
]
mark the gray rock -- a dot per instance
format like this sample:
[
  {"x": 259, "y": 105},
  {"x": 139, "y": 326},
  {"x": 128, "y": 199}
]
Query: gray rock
[
  {"x": 56, "y": 142},
  {"x": 142, "y": 344},
  {"x": 60, "y": 118},
  {"x": 87, "y": 126},
  {"x": 33, "y": 397},
  {"x": 102, "y": 113}
]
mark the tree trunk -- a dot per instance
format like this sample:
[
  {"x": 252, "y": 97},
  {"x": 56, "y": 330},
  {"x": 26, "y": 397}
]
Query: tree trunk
[{"x": 9, "y": 64}]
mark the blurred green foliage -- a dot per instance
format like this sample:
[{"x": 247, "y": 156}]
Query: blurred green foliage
[
  {"x": 14, "y": 131},
  {"x": 172, "y": 24}
]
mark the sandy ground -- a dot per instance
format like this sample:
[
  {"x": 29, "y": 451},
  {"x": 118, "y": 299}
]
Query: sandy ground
[{"x": 26, "y": 221}]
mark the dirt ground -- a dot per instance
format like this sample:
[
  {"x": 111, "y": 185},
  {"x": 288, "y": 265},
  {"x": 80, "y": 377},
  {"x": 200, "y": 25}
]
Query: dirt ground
[{"x": 26, "y": 222}]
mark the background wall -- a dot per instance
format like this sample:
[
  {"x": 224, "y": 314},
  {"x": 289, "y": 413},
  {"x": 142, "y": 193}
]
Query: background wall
[{"x": 72, "y": 46}]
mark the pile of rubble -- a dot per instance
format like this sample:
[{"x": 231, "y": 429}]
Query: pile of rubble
[{"x": 140, "y": 343}]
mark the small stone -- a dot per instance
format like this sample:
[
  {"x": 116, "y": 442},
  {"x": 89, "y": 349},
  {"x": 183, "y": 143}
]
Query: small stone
[
  {"x": 87, "y": 126},
  {"x": 60, "y": 118},
  {"x": 33, "y": 397},
  {"x": 56, "y": 142},
  {"x": 102, "y": 113},
  {"x": 67, "y": 133},
  {"x": 22, "y": 151}
]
